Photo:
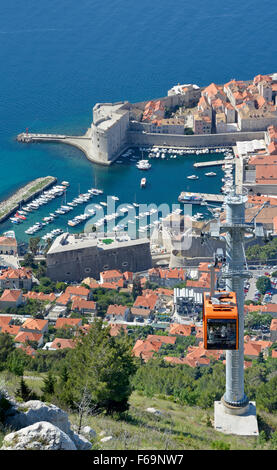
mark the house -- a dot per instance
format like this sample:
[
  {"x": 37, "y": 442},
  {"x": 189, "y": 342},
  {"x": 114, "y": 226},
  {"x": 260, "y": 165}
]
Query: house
[
  {"x": 145, "y": 349},
  {"x": 79, "y": 291},
  {"x": 40, "y": 296},
  {"x": 141, "y": 313},
  {"x": 83, "y": 306},
  {"x": 35, "y": 325},
  {"x": 118, "y": 312},
  {"x": 8, "y": 246},
  {"x": 61, "y": 343},
  {"x": 5, "y": 320},
  {"x": 11, "y": 298},
  {"x": 10, "y": 329},
  {"x": 150, "y": 301},
  {"x": 181, "y": 329},
  {"x": 117, "y": 328},
  {"x": 112, "y": 275},
  {"x": 252, "y": 349},
  {"x": 63, "y": 299},
  {"x": 68, "y": 323},
  {"x": 23, "y": 337},
  {"x": 20, "y": 278}
]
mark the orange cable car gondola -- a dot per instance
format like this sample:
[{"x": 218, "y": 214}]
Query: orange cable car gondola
[{"x": 220, "y": 320}]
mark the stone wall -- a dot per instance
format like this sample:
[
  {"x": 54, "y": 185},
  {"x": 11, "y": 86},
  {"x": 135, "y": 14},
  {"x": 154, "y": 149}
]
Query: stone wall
[
  {"x": 208, "y": 140},
  {"x": 76, "y": 264}
]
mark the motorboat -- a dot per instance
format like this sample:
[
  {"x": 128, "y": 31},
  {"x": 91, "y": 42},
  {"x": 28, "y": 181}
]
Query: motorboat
[
  {"x": 192, "y": 177},
  {"x": 143, "y": 182},
  {"x": 211, "y": 173},
  {"x": 143, "y": 165}
]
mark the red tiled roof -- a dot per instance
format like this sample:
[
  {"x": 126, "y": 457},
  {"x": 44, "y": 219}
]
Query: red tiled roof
[
  {"x": 82, "y": 304},
  {"x": 77, "y": 290},
  {"x": 148, "y": 301},
  {"x": 10, "y": 295},
  {"x": 24, "y": 336},
  {"x": 40, "y": 296},
  {"x": 34, "y": 324},
  {"x": 62, "y": 343},
  {"x": 68, "y": 322},
  {"x": 116, "y": 309},
  {"x": 10, "y": 329},
  {"x": 20, "y": 273},
  {"x": 180, "y": 329}
]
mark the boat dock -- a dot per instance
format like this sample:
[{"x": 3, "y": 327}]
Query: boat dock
[
  {"x": 213, "y": 163},
  {"x": 205, "y": 197}
]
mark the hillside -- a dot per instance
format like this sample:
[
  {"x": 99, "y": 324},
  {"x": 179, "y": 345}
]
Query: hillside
[{"x": 177, "y": 427}]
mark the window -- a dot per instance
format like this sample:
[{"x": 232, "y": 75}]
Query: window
[
  {"x": 125, "y": 263},
  {"x": 87, "y": 270},
  {"x": 221, "y": 334}
]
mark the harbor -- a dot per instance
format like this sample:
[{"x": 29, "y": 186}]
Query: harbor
[{"x": 137, "y": 180}]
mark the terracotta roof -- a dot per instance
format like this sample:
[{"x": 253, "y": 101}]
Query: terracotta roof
[
  {"x": 63, "y": 299},
  {"x": 5, "y": 320},
  {"x": 116, "y": 328},
  {"x": 273, "y": 325},
  {"x": 62, "y": 343},
  {"x": 116, "y": 309},
  {"x": 34, "y": 324},
  {"x": 82, "y": 304},
  {"x": 40, "y": 296},
  {"x": 20, "y": 273},
  {"x": 163, "y": 339},
  {"x": 148, "y": 301},
  {"x": 251, "y": 348},
  {"x": 8, "y": 241},
  {"x": 10, "y": 295},
  {"x": 11, "y": 329},
  {"x": 112, "y": 273},
  {"x": 24, "y": 336},
  {"x": 140, "y": 312},
  {"x": 68, "y": 322},
  {"x": 180, "y": 329},
  {"x": 77, "y": 290}
]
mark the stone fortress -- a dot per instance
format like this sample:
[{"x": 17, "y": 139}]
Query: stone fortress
[{"x": 221, "y": 116}]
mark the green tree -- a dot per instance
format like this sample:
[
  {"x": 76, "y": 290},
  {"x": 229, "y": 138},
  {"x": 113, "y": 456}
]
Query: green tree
[
  {"x": 102, "y": 365},
  {"x": 34, "y": 245},
  {"x": 267, "y": 395},
  {"x": 263, "y": 284},
  {"x": 7, "y": 346},
  {"x": 48, "y": 387},
  {"x": 137, "y": 289},
  {"x": 16, "y": 362},
  {"x": 24, "y": 392}
]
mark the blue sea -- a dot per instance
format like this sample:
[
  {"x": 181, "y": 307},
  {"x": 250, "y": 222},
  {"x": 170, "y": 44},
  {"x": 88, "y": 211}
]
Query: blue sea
[{"x": 58, "y": 58}]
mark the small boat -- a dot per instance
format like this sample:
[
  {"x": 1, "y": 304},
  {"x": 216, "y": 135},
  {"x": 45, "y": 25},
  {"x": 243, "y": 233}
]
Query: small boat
[
  {"x": 143, "y": 182},
  {"x": 192, "y": 177},
  {"x": 211, "y": 173},
  {"x": 143, "y": 165}
]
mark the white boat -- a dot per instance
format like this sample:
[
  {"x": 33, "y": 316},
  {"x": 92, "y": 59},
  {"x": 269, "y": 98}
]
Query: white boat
[
  {"x": 143, "y": 165},
  {"x": 211, "y": 173},
  {"x": 143, "y": 182},
  {"x": 192, "y": 177}
]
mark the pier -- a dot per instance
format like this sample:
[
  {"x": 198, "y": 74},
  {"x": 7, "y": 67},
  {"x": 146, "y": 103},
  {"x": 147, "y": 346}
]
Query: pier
[
  {"x": 205, "y": 197},
  {"x": 24, "y": 195},
  {"x": 213, "y": 163}
]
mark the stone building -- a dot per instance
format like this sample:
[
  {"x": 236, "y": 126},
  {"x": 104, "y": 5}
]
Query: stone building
[{"x": 73, "y": 257}]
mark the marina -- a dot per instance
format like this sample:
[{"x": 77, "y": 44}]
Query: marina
[{"x": 78, "y": 203}]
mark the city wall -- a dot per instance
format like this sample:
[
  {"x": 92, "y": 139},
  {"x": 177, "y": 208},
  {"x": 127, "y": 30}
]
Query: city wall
[{"x": 207, "y": 140}]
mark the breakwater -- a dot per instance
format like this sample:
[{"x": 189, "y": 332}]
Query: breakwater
[{"x": 24, "y": 195}]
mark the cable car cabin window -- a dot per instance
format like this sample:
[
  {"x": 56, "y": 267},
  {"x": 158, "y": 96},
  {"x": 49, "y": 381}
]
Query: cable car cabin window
[{"x": 221, "y": 333}]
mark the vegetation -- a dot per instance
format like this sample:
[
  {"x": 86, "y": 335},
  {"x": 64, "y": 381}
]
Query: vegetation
[
  {"x": 263, "y": 284},
  {"x": 264, "y": 253},
  {"x": 106, "y": 297}
]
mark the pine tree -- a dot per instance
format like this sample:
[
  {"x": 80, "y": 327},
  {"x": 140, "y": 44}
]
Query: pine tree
[
  {"x": 102, "y": 365},
  {"x": 25, "y": 392}
]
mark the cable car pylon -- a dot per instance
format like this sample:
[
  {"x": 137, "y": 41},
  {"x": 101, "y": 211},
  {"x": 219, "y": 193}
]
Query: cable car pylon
[{"x": 234, "y": 406}]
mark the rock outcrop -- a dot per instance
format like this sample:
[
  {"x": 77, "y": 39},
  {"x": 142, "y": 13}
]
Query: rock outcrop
[
  {"x": 23, "y": 416},
  {"x": 39, "y": 436}
]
